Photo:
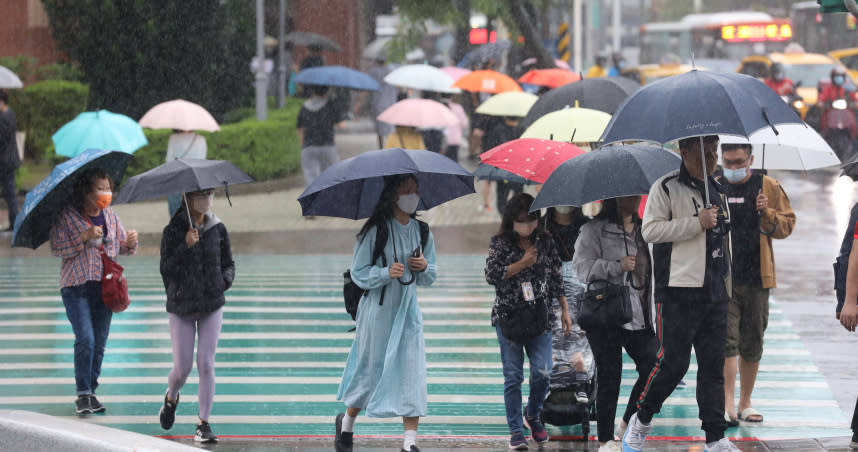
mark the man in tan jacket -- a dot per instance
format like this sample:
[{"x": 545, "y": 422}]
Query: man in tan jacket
[{"x": 760, "y": 211}]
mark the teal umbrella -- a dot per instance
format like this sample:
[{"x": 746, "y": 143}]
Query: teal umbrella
[{"x": 99, "y": 130}]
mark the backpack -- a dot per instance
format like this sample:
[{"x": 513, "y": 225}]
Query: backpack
[
  {"x": 352, "y": 293},
  {"x": 841, "y": 263}
]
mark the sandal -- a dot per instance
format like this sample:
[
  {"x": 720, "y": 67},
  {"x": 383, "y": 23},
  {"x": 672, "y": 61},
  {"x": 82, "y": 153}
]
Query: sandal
[
  {"x": 747, "y": 414},
  {"x": 731, "y": 421}
]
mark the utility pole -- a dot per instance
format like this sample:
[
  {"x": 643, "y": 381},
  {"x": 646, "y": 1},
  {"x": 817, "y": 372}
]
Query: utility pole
[
  {"x": 577, "y": 35},
  {"x": 281, "y": 56},
  {"x": 261, "y": 80},
  {"x": 617, "y": 25}
]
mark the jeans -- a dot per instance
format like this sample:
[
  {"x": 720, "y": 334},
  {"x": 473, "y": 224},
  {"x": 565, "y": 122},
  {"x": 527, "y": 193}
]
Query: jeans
[
  {"x": 90, "y": 320},
  {"x": 512, "y": 356}
]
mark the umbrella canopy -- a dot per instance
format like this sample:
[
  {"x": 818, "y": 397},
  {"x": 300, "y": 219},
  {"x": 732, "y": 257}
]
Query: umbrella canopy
[
  {"x": 421, "y": 77},
  {"x": 424, "y": 113},
  {"x": 557, "y": 62},
  {"x": 99, "y": 130},
  {"x": 310, "y": 39},
  {"x": 490, "y": 51},
  {"x": 377, "y": 49},
  {"x": 487, "y": 82},
  {"x": 179, "y": 114},
  {"x": 351, "y": 188},
  {"x": 8, "y": 79},
  {"x": 552, "y": 78},
  {"x": 340, "y": 76},
  {"x": 607, "y": 172},
  {"x": 511, "y": 103},
  {"x": 795, "y": 147},
  {"x": 578, "y": 125},
  {"x": 850, "y": 168},
  {"x": 455, "y": 72},
  {"x": 44, "y": 203},
  {"x": 488, "y": 172},
  {"x": 181, "y": 176},
  {"x": 603, "y": 94},
  {"x": 531, "y": 158}
]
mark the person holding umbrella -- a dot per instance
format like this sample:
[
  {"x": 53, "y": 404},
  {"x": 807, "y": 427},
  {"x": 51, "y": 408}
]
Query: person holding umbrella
[
  {"x": 86, "y": 228},
  {"x": 316, "y": 121},
  {"x": 9, "y": 159}
]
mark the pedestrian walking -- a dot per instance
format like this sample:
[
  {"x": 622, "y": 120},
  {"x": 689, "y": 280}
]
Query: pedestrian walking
[
  {"x": 183, "y": 144},
  {"x": 197, "y": 268},
  {"x": 847, "y": 313},
  {"x": 84, "y": 229},
  {"x": 525, "y": 269},
  {"x": 405, "y": 137},
  {"x": 564, "y": 223},
  {"x": 759, "y": 212},
  {"x": 609, "y": 248},
  {"x": 500, "y": 133},
  {"x": 384, "y": 97},
  {"x": 691, "y": 269},
  {"x": 316, "y": 121},
  {"x": 480, "y": 124},
  {"x": 454, "y": 134},
  {"x": 385, "y": 373},
  {"x": 9, "y": 158},
  {"x": 433, "y": 138}
]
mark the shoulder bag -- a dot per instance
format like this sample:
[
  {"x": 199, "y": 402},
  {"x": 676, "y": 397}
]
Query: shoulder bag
[{"x": 525, "y": 318}]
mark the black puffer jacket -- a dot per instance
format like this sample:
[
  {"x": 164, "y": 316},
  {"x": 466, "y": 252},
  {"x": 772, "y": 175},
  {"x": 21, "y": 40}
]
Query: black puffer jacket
[{"x": 196, "y": 278}]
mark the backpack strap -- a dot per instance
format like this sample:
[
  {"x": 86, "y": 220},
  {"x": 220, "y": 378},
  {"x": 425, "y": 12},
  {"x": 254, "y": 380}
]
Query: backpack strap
[
  {"x": 378, "y": 251},
  {"x": 424, "y": 234}
]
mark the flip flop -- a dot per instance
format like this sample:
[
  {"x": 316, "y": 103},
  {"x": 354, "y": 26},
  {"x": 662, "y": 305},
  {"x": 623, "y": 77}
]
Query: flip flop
[
  {"x": 746, "y": 414},
  {"x": 731, "y": 421}
]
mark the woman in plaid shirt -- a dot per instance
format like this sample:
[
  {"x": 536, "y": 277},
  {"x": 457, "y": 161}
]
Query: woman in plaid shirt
[{"x": 78, "y": 234}]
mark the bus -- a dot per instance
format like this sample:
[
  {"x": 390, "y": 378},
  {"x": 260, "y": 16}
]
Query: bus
[
  {"x": 821, "y": 33},
  {"x": 726, "y": 36}
]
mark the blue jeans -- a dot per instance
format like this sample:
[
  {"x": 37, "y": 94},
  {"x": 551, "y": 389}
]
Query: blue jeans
[
  {"x": 90, "y": 320},
  {"x": 512, "y": 356}
]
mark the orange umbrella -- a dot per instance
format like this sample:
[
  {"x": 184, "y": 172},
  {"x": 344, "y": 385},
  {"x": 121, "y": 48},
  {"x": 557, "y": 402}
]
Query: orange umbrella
[
  {"x": 486, "y": 81},
  {"x": 551, "y": 78}
]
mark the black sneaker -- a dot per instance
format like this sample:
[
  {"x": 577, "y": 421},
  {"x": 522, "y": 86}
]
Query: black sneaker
[
  {"x": 168, "y": 412},
  {"x": 204, "y": 433},
  {"x": 854, "y": 443},
  {"x": 412, "y": 449},
  {"x": 343, "y": 441},
  {"x": 82, "y": 406},
  {"x": 95, "y": 405}
]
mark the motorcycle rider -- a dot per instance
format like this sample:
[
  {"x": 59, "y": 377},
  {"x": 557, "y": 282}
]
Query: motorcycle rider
[
  {"x": 779, "y": 82},
  {"x": 837, "y": 89}
]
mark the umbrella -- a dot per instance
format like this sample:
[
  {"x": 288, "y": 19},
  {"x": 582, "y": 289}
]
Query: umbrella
[
  {"x": 602, "y": 93},
  {"x": 9, "y": 79},
  {"x": 99, "y": 130},
  {"x": 850, "y": 168},
  {"x": 488, "y": 172},
  {"x": 531, "y": 158},
  {"x": 557, "y": 62},
  {"x": 44, "y": 203},
  {"x": 796, "y": 147},
  {"x": 351, "y": 188},
  {"x": 340, "y": 76},
  {"x": 181, "y": 176},
  {"x": 578, "y": 125},
  {"x": 484, "y": 53},
  {"x": 377, "y": 49},
  {"x": 179, "y": 114},
  {"x": 487, "y": 81},
  {"x": 424, "y": 113},
  {"x": 607, "y": 172},
  {"x": 455, "y": 72},
  {"x": 510, "y": 103},
  {"x": 421, "y": 77},
  {"x": 309, "y": 39},
  {"x": 551, "y": 78}
]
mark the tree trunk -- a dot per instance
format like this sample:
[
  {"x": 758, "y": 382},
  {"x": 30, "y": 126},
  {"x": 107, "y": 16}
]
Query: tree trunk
[{"x": 532, "y": 42}]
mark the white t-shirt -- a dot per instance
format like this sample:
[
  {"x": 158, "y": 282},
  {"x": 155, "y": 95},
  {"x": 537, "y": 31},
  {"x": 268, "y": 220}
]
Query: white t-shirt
[{"x": 186, "y": 145}]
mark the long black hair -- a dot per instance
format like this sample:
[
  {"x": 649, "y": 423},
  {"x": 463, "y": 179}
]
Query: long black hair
[
  {"x": 611, "y": 212},
  {"x": 83, "y": 186},
  {"x": 518, "y": 204},
  {"x": 386, "y": 202}
]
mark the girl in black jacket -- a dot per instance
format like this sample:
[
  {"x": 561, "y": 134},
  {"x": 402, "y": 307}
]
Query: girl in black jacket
[{"x": 197, "y": 267}]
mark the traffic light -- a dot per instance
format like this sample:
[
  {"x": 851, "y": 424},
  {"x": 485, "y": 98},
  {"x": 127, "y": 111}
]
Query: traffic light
[{"x": 832, "y": 6}]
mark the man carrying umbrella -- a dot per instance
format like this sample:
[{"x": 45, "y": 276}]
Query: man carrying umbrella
[{"x": 9, "y": 160}]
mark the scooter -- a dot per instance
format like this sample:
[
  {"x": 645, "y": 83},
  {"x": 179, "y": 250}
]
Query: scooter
[{"x": 839, "y": 127}]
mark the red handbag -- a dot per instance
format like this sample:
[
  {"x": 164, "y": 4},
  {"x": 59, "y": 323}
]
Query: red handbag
[{"x": 114, "y": 286}]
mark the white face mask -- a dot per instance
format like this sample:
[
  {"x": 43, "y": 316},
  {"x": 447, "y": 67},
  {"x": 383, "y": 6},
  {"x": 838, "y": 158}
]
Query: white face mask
[
  {"x": 408, "y": 203},
  {"x": 736, "y": 175},
  {"x": 563, "y": 210},
  {"x": 524, "y": 229},
  {"x": 201, "y": 204}
]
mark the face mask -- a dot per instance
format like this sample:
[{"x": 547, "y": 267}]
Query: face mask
[
  {"x": 408, "y": 203},
  {"x": 838, "y": 80},
  {"x": 735, "y": 175},
  {"x": 524, "y": 229},
  {"x": 102, "y": 199},
  {"x": 201, "y": 204},
  {"x": 563, "y": 210},
  {"x": 621, "y": 65}
]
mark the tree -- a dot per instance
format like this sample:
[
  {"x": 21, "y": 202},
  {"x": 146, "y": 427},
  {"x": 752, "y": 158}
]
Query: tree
[{"x": 136, "y": 53}]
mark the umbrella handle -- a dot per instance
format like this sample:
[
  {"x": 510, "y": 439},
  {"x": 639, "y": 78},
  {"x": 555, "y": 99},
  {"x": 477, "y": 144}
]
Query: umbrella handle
[{"x": 187, "y": 209}]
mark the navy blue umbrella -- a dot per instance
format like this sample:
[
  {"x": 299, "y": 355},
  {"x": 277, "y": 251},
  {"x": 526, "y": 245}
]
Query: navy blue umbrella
[
  {"x": 488, "y": 172},
  {"x": 44, "y": 203},
  {"x": 181, "y": 176},
  {"x": 339, "y": 76},
  {"x": 351, "y": 188},
  {"x": 607, "y": 172}
]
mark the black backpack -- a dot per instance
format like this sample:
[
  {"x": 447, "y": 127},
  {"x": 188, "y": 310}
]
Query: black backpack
[
  {"x": 841, "y": 263},
  {"x": 352, "y": 293}
]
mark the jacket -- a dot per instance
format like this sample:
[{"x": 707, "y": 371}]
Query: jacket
[
  {"x": 9, "y": 159},
  {"x": 196, "y": 278}
]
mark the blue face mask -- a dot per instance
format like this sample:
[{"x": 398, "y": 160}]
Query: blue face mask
[
  {"x": 838, "y": 79},
  {"x": 735, "y": 175}
]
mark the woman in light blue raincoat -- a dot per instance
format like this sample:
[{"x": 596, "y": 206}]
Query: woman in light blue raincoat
[{"x": 386, "y": 369}]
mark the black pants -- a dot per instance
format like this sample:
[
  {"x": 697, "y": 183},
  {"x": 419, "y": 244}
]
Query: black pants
[
  {"x": 7, "y": 180},
  {"x": 503, "y": 189},
  {"x": 679, "y": 326},
  {"x": 452, "y": 151},
  {"x": 607, "y": 345},
  {"x": 855, "y": 419}
]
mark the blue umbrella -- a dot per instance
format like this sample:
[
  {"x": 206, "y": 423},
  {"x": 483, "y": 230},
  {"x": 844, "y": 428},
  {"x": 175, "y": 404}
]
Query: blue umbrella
[
  {"x": 339, "y": 76},
  {"x": 45, "y": 202},
  {"x": 351, "y": 188},
  {"x": 488, "y": 172},
  {"x": 99, "y": 130}
]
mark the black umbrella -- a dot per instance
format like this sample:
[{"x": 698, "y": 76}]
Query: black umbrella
[
  {"x": 850, "y": 168},
  {"x": 607, "y": 172},
  {"x": 601, "y": 93},
  {"x": 488, "y": 172},
  {"x": 310, "y": 39}
]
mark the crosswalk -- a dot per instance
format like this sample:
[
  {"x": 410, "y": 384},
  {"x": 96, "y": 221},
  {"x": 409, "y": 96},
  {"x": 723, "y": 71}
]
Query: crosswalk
[{"x": 284, "y": 341}]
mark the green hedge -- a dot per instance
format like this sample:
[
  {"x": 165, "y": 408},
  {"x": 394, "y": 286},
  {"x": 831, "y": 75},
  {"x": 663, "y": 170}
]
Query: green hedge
[{"x": 42, "y": 108}]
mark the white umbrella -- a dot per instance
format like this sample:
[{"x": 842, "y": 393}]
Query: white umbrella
[
  {"x": 8, "y": 79},
  {"x": 422, "y": 77},
  {"x": 179, "y": 114},
  {"x": 794, "y": 147}
]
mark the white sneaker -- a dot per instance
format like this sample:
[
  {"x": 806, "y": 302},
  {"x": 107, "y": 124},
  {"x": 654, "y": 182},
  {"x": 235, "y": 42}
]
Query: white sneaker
[
  {"x": 635, "y": 436},
  {"x": 611, "y": 446},
  {"x": 619, "y": 432},
  {"x": 722, "y": 445}
]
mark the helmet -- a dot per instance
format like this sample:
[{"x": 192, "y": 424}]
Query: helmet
[
  {"x": 601, "y": 58},
  {"x": 777, "y": 71},
  {"x": 838, "y": 75}
]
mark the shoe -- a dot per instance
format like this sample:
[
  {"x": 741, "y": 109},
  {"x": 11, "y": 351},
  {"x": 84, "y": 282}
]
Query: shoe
[
  {"x": 731, "y": 421},
  {"x": 750, "y": 415},
  {"x": 82, "y": 406},
  {"x": 537, "y": 430},
  {"x": 619, "y": 432},
  {"x": 168, "y": 412},
  {"x": 581, "y": 397},
  {"x": 412, "y": 449},
  {"x": 517, "y": 442},
  {"x": 635, "y": 436},
  {"x": 343, "y": 441},
  {"x": 854, "y": 443},
  {"x": 204, "y": 433},
  {"x": 722, "y": 445},
  {"x": 611, "y": 446},
  {"x": 95, "y": 405}
]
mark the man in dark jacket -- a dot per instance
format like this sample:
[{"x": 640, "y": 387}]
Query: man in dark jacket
[{"x": 9, "y": 159}]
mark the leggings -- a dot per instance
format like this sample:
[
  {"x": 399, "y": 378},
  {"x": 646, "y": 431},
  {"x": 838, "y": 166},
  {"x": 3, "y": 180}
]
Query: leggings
[{"x": 182, "y": 331}]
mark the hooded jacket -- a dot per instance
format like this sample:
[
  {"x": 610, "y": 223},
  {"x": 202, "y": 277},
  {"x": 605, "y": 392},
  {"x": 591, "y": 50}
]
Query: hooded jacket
[{"x": 196, "y": 278}]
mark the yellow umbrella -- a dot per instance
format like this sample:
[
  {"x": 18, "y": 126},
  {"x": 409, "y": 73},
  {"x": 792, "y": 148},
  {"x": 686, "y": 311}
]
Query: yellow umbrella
[
  {"x": 585, "y": 124},
  {"x": 510, "y": 103}
]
